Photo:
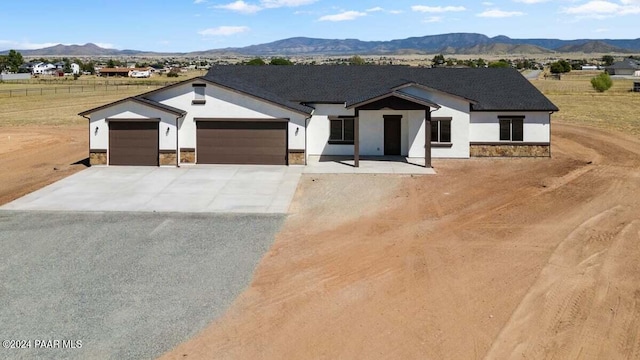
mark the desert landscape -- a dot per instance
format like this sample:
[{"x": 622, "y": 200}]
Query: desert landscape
[{"x": 490, "y": 258}]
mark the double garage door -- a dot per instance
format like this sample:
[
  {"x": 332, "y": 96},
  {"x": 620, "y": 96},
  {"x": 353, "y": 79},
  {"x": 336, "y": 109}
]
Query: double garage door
[
  {"x": 241, "y": 142},
  {"x": 217, "y": 142}
]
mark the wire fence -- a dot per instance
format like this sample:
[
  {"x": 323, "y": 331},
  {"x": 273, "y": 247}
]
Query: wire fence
[{"x": 80, "y": 88}]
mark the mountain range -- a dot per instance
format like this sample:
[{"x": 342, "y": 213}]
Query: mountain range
[{"x": 450, "y": 44}]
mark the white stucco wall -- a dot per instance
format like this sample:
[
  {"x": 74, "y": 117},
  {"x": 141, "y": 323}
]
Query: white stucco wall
[
  {"x": 485, "y": 126},
  {"x": 224, "y": 103},
  {"x": 451, "y": 107},
  {"x": 413, "y": 128},
  {"x": 99, "y": 140}
]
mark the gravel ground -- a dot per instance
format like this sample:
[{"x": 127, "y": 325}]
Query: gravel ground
[{"x": 127, "y": 285}]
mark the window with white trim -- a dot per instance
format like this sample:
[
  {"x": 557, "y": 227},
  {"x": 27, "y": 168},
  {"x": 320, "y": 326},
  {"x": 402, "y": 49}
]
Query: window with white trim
[
  {"x": 511, "y": 128},
  {"x": 341, "y": 131},
  {"x": 441, "y": 130},
  {"x": 199, "y": 94}
]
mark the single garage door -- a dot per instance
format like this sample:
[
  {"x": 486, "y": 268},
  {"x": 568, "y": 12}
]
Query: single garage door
[
  {"x": 133, "y": 143},
  {"x": 242, "y": 142}
]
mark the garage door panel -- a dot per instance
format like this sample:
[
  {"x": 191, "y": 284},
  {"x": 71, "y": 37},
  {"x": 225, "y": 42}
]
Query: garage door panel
[
  {"x": 133, "y": 143},
  {"x": 245, "y": 142},
  {"x": 242, "y": 142}
]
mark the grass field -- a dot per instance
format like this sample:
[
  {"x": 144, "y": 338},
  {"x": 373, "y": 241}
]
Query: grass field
[
  {"x": 617, "y": 109},
  {"x": 58, "y": 109}
]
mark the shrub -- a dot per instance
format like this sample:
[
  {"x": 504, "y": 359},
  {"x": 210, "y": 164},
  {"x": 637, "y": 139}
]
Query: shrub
[
  {"x": 256, "y": 62},
  {"x": 602, "y": 82},
  {"x": 172, "y": 74}
]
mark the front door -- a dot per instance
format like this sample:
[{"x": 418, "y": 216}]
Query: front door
[{"x": 392, "y": 134}]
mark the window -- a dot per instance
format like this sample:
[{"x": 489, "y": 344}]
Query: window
[
  {"x": 341, "y": 131},
  {"x": 441, "y": 130},
  {"x": 511, "y": 129},
  {"x": 199, "y": 90}
]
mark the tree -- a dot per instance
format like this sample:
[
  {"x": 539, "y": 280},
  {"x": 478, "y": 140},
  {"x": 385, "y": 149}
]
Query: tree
[
  {"x": 438, "y": 60},
  {"x": 357, "y": 60},
  {"x": 481, "y": 63},
  {"x": 256, "y": 62},
  {"x": 89, "y": 67},
  {"x": 67, "y": 66},
  {"x": 111, "y": 63},
  {"x": 280, "y": 61},
  {"x": 13, "y": 61},
  {"x": 602, "y": 82},
  {"x": 608, "y": 60},
  {"x": 560, "y": 67},
  {"x": 502, "y": 63}
]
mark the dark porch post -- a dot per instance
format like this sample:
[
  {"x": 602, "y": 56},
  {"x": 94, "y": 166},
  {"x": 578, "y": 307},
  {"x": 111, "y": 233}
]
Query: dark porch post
[
  {"x": 356, "y": 140},
  {"x": 427, "y": 138}
]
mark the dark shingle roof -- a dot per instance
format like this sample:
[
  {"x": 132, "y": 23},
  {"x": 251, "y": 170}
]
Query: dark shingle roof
[
  {"x": 141, "y": 100},
  {"x": 294, "y": 86},
  {"x": 626, "y": 64}
]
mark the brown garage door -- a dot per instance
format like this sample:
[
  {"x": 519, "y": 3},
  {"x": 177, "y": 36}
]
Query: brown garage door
[
  {"x": 242, "y": 142},
  {"x": 133, "y": 143}
]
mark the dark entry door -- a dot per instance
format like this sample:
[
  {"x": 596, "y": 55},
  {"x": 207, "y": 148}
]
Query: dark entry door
[{"x": 392, "y": 135}]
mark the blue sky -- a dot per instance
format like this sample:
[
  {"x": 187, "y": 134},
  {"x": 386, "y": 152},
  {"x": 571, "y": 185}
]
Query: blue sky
[{"x": 191, "y": 25}]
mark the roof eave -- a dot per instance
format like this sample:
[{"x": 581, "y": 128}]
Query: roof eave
[{"x": 396, "y": 94}]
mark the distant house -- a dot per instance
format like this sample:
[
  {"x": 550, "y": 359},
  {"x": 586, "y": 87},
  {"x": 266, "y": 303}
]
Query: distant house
[
  {"x": 589, "y": 67},
  {"x": 43, "y": 69},
  {"x": 125, "y": 72},
  {"x": 628, "y": 67},
  {"x": 75, "y": 69}
]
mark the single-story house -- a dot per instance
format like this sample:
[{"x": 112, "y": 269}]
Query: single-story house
[
  {"x": 284, "y": 114},
  {"x": 123, "y": 71},
  {"x": 627, "y": 67}
]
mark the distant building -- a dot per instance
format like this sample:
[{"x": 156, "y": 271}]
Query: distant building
[
  {"x": 43, "y": 69},
  {"x": 75, "y": 69},
  {"x": 125, "y": 72},
  {"x": 628, "y": 67},
  {"x": 590, "y": 67}
]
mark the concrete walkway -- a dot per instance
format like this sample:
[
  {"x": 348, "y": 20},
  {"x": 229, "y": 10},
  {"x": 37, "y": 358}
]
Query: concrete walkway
[
  {"x": 194, "y": 189},
  {"x": 368, "y": 165}
]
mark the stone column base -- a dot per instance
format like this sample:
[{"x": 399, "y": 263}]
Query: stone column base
[
  {"x": 187, "y": 156},
  {"x": 167, "y": 157},
  {"x": 98, "y": 157},
  {"x": 296, "y": 157},
  {"x": 510, "y": 150}
]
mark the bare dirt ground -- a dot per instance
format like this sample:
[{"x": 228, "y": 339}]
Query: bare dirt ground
[
  {"x": 34, "y": 156},
  {"x": 491, "y": 258}
]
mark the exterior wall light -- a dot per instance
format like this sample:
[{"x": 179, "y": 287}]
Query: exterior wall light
[
  {"x": 95, "y": 132},
  {"x": 168, "y": 129}
]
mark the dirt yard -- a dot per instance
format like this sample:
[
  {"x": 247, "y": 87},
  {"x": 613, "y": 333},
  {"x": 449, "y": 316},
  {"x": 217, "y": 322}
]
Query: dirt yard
[
  {"x": 491, "y": 258},
  {"x": 32, "y": 157}
]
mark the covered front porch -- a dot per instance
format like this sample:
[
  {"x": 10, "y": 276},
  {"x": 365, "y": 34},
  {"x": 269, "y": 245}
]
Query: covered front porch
[{"x": 392, "y": 131}]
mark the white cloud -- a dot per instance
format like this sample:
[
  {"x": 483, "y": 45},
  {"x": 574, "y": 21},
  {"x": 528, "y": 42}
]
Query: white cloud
[
  {"x": 375, "y": 9},
  {"x": 599, "y": 9},
  {"x": 432, "y": 19},
  {"x": 241, "y": 7},
  {"x": 25, "y": 45},
  {"x": 437, "y": 9},
  {"x": 199, "y": 1},
  {"x": 530, "y": 1},
  {"x": 269, "y": 4},
  {"x": 497, "y": 13},
  {"x": 105, "y": 45},
  {"x": 486, "y": 3},
  {"x": 223, "y": 31},
  {"x": 395, "y": 12},
  {"x": 343, "y": 16}
]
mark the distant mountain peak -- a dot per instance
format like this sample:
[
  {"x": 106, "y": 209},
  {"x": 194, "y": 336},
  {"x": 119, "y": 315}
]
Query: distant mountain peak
[{"x": 451, "y": 43}]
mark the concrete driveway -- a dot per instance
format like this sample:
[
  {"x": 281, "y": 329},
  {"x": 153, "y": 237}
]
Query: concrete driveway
[
  {"x": 126, "y": 285},
  {"x": 193, "y": 189}
]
